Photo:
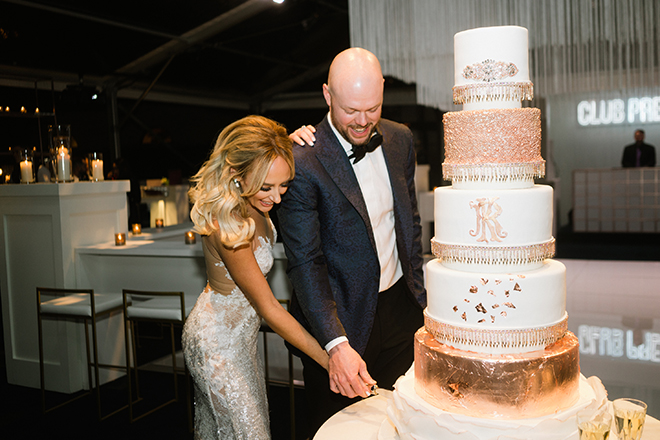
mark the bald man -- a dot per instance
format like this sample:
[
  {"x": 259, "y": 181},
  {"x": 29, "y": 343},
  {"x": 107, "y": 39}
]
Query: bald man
[{"x": 351, "y": 232}]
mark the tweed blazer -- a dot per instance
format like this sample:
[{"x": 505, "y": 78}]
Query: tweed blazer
[{"x": 332, "y": 260}]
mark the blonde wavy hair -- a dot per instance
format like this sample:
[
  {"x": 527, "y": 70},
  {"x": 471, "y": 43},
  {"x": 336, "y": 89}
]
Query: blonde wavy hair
[{"x": 247, "y": 146}]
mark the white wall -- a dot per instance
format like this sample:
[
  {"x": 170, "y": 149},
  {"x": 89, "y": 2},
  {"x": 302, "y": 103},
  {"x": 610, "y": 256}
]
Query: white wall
[{"x": 595, "y": 146}]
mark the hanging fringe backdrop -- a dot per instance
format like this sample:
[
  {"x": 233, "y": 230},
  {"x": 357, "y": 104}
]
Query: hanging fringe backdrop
[{"x": 575, "y": 45}]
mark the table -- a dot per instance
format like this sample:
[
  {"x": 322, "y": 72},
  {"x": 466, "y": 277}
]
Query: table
[{"x": 364, "y": 421}]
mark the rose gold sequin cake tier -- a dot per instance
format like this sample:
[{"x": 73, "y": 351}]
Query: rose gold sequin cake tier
[
  {"x": 485, "y": 144},
  {"x": 515, "y": 386}
]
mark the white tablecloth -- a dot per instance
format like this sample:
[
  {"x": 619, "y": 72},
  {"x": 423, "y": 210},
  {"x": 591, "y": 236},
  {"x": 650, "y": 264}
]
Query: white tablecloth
[{"x": 363, "y": 421}]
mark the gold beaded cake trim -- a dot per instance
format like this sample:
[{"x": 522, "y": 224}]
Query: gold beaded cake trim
[
  {"x": 509, "y": 91},
  {"x": 493, "y": 172},
  {"x": 454, "y": 253},
  {"x": 503, "y": 339},
  {"x": 503, "y": 136}
]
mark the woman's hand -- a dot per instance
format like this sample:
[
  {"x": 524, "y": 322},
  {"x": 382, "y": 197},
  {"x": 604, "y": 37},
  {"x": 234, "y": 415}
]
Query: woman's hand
[{"x": 305, "y": 134}]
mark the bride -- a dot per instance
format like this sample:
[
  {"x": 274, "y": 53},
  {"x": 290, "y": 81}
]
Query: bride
[{"x": 246, "y": 174}]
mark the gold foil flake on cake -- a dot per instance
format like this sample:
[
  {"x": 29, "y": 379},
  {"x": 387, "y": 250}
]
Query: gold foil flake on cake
[
  {"x": 487, "y": 211},
  {"x": 474, "y": 289},
  {"x": 495, "y": 338},
  {"x": 494, "y": 306},
  {"x": 491, "y": 292},
  {"x": 503, "y": 313},
  {"x": 498, "y": 282},
  {"x": 517, "y": 287},
  {"x": 506, "y": 293},
  {"x": 495, "y": 255},
  {"x": 509, "y": 305},
  {"x": 490, "y": 70},
  {"x": 484, "y": 281},
  {"x": 480, "y": 308},
  {"x": 467, "y": 300},
  {"x": 521, "y": 276},
  {"x": 455, "y": 308},
  {"x": 493, "y": 91},
  {"x": 480, "y": 321}
]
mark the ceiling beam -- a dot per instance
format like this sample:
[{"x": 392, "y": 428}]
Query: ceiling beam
[{"x": 195, "y": 36}]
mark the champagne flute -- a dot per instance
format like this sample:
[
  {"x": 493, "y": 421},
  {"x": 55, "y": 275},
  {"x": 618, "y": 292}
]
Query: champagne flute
[
  {"x": 594, "y": 425},
  {"x": 629, "y": 416}
]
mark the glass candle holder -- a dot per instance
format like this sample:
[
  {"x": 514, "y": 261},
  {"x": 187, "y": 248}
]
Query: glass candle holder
[
  {"x": 27, "y": 165},
  {"x": 60, "y": 143},
  {"x": 136, "y": 228},
  {"x": 159, "y": 223},
  {"x": 120, "y": 239},
  {"x": 190, "y": 237},
  {"x": 95, "y": 167}
]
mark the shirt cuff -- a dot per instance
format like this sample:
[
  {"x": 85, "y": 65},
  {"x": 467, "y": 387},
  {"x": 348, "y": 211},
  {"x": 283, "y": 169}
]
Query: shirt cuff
[{"x": 330, "y": 345}]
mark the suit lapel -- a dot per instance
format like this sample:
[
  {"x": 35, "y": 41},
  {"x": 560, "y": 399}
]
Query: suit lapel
[{"x": 335, "y": 161}]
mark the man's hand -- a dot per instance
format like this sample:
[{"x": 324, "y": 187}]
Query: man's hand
[
  {"x": 304, "y": 134},
  {"x": 348, "y": 372}
]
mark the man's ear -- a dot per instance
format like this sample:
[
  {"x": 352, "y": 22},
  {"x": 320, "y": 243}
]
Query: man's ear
[{"x": 326, "y": 94}]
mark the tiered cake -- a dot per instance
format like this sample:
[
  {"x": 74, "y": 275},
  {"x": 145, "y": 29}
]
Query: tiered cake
[{"x": 494, "y": 359}]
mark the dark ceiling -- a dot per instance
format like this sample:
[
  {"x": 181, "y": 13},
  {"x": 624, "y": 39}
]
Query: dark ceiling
[{"x": 240, "y": 53}]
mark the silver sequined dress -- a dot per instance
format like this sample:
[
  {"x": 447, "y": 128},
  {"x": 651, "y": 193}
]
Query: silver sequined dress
[{"x": 220, "y": 347}]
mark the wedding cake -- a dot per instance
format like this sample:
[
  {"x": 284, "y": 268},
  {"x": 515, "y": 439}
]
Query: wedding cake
[{"x": 494, "y": 359}]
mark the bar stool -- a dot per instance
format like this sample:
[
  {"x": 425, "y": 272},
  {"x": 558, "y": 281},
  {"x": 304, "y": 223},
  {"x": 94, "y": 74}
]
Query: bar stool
[
  {"x": 265, "y": 330},
  {"x": 168, "y": 308},
  {"x": 81, "y": 305}
]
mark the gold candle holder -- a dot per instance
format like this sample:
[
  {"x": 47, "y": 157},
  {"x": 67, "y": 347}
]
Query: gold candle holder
[
  {"x": 136, "y": 228},
  {"x": 120, "y": 239},
  {"x": 159, "y": 223},
  {"x": 190, "y": 237}
]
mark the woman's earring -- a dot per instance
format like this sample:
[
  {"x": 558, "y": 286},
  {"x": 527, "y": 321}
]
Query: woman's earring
[{"x": 237, "y": 183}]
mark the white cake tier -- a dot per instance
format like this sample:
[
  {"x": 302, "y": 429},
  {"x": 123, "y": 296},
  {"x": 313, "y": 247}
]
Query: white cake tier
[
  {"x": 479, "y": 302},
  {"x": 415, "y": 419},
  {"x": 491, "y": 68},
  {"x": 486, "y": 230}
]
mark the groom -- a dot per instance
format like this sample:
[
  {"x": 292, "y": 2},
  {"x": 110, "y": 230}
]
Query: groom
[{"x": 351, "y": 232}]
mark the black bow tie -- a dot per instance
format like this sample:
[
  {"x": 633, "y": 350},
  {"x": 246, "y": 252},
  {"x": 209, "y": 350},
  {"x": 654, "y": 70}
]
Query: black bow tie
[{"x": 359, "y": 151}]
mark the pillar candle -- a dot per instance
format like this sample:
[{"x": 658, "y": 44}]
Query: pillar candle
[
  {"x": 63, "y": 164},
  {"x": 97, "y": 169},
  {"x": 27, "y": 175}
]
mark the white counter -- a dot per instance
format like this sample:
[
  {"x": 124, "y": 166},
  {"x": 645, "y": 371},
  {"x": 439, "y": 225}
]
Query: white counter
[{"x": 42, "y": 224}]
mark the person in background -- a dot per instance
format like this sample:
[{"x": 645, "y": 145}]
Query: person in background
[
  {"x": 638, "y": 154},
  {"x": 249, "y": 169},
  {"x": 352, "y": 235}
]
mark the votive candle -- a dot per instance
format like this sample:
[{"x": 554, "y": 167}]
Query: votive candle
[
  {"x": 136, "y": 228},
  {"x": 120, "y": 239},
  {"x": 159, "y": 222},
  {"x": 190, "y": 237}
]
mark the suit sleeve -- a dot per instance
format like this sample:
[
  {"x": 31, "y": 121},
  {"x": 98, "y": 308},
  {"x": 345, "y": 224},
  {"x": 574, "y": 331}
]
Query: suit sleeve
[{"x": 301, "y": 233}]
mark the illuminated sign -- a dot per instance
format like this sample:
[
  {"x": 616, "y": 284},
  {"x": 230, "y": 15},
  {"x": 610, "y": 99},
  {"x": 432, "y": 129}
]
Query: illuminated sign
[
  {"x": 618, "y": 111},
  {"x": 616, "y": 343}
]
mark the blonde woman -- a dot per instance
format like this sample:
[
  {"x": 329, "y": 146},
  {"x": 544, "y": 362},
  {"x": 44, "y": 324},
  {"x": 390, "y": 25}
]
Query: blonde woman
[{"x": 248, "y": 171}]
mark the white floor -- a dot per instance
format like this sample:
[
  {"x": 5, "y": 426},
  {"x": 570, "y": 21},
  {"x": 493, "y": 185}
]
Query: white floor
[{"x": 614, "y": 309}]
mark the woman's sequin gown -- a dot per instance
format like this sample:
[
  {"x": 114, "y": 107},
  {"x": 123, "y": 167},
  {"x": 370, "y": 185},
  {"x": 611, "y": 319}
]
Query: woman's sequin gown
[{"x": 220, "y": 347}]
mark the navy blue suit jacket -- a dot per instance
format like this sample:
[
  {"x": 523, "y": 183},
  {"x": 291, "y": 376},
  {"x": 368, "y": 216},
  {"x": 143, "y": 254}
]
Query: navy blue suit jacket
[{"x": 332, "y": 260}]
